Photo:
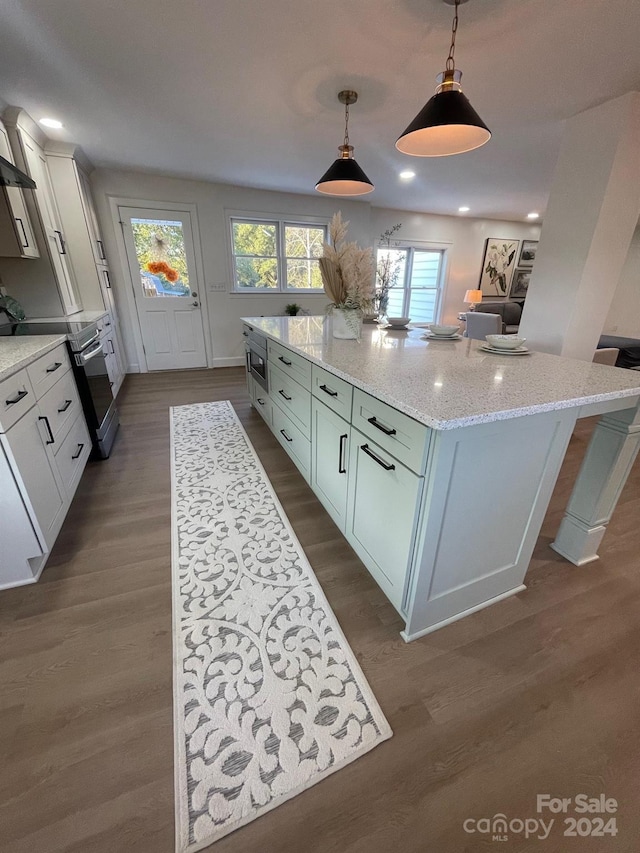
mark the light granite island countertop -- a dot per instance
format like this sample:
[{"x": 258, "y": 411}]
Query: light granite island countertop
[
  {"x": 447, "y": 384},
  {"x": 19, "y": 351},
  {"x": 437, "y": 460}
]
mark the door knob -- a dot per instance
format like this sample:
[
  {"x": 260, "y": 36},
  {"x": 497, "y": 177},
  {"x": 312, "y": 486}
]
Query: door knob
[{"x": 195, "y": 303}]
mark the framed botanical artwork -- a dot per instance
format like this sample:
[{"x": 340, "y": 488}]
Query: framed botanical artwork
[
  {"x": 527, "y": 253},
  {"x": 498, "y": 265},
  {"x": 520, "y": 283}
]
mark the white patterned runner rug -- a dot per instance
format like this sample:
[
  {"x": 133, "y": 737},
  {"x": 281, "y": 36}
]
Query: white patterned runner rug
[{"x": 268, "y": 697}]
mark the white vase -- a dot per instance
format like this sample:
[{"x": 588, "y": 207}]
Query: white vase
[{"x": 347, "y": 323}]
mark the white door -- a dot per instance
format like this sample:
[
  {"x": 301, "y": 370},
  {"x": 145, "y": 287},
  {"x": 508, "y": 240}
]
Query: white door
[{"x": 162, "y": 264}]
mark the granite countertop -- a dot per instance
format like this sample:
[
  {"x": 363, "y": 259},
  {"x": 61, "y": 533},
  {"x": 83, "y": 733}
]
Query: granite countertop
[
  {"x": 78, "y": 317},
  {"x": 18, "y": 352},
  {"x": 449, "y": 384}
]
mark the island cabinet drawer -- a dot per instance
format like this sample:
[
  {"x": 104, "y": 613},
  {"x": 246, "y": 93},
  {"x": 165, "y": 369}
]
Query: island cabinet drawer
[
  {"x": 16, "y": 398},
  {"x": 261, "y": 400},
  {"x": 294, "y": 442},
  {"x": 334, "y": 392},
  {"x": 46, "y": 371},
  {"x": 73, "y": 454},
  {"x": 60, "y": 406},
  {"x": 397, "y": 433},
  {"x": 292, "y": 398},
  {"x": 290, "y": 363}
]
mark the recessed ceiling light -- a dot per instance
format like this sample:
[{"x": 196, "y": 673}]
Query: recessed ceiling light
[
  {"x": 51, "y": 122},
  {"x": 407, "y": 175},
  {"x": 533, "y": 215},
  {"x": 464, "y": 209}
]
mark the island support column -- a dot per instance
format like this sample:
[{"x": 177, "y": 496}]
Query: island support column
[{"x": 607, "y": 464}]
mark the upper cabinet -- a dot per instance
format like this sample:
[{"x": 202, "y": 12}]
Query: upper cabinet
[
  {"x": 16, "y": 234},
  {"x": 48, "y": 284}
]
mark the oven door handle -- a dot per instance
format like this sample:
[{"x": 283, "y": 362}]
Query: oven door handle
[{"x": 87, "y": 354}]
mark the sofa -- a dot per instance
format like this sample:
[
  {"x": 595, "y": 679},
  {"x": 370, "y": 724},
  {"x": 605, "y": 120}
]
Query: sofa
[{"x": 509, "y": 311}]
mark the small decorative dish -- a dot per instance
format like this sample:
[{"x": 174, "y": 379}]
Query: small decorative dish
[
  {"x": 398, "y": 322},
  {"x": 429, "y": 336},
  {"x": 498, "y": 351}
]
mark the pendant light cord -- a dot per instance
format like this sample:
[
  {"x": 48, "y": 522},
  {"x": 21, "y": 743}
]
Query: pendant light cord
[
  {"x": 346, "y": 124},
  {"x": 450, "y": 66}
]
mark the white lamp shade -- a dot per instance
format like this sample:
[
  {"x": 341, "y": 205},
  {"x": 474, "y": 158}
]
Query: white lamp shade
[{"x": 473, "y": 296}]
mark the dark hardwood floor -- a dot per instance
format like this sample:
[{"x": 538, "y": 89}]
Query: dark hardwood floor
[{"x": 537, "y": 694}]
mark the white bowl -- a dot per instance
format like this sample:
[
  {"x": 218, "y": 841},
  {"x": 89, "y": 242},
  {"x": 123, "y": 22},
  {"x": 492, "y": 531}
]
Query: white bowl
[
  {"x": 398, "y": 321},
  {"x": 505, "y": 341},
  {"x": 443, "y": 331}
]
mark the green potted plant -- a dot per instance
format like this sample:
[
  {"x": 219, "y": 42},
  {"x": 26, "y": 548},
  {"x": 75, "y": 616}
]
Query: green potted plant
[{"x": 292, "y": 309}]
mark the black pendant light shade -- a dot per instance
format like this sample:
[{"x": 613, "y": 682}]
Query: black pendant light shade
[
  {"x": 344, "y": 176},
  {"x": 447, "y": 124}
]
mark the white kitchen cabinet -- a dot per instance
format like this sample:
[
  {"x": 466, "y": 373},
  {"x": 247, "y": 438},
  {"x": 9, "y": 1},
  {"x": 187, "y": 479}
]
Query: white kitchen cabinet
[
  {"x": 329, "y": 460},
  {"x": 382, "y": 513},
  {"x": 44, "y": 447},
  {"x": 46, "y": 286},
  {"x": 16, "y": 233}
]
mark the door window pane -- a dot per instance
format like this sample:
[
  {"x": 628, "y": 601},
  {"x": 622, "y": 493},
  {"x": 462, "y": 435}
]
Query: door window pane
[
  {"x": 255, "y": 255},
  {"x": 417, "y": 282},
  {"x": 160, "y": 250}
]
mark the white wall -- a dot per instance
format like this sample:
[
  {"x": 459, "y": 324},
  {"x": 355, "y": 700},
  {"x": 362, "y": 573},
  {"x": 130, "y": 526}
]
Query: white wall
[
  {"x": 465, "y": 236},
  {"x": 624, "y": 315}
]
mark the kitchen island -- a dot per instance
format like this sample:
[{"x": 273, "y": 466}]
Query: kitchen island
[{"x": 437, "y": 460}]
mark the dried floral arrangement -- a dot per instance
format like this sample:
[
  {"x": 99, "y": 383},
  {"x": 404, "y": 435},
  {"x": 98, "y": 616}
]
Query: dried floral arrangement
[{"x": 347, "y": 270}]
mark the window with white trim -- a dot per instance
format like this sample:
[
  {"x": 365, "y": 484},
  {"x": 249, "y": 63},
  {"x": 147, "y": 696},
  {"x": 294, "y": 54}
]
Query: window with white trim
[
  {"x": 276, "y": 255},
  {"x": 418, "y": 287}
]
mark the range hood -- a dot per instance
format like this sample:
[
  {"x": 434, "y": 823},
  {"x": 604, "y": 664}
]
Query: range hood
[{"x": 11, "y": 176}]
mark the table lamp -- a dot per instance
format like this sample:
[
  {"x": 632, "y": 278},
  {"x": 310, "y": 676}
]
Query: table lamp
[{"x": 473, "y": 297}]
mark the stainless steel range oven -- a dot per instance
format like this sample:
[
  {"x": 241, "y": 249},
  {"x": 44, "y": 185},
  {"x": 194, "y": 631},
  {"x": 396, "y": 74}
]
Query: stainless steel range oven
[
  {"x": 90, "y": 372},
  {"x": 256, "y": 347}
]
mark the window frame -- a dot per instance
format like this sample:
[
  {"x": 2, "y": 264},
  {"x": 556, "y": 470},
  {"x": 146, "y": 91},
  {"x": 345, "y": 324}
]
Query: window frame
[
  {"x": 281, "y": 222},
  {"x": 412, "y": 246}
]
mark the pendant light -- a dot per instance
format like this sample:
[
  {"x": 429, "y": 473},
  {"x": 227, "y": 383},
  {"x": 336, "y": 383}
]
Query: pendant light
[
  {"x": 344, "y": 176},
  {"x": 447, "y": 124}
]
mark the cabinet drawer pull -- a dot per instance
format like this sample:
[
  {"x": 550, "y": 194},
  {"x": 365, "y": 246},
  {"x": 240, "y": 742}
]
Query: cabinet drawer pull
[
  {"x": 25, "y": 242},
  {"x": 377, "y": 459},
  {"x": 65, "y": 406},
  {"x": 63, "y": 248},
  {"x": 246, "y": 334},
  {"x": 107, "y": 280},
  {"x": 285, "y": 435},
  {"x": 284, "y": 360},
  {"x": 19, "y": 396},
  {"x": 286, "y": 397},
  {"x": 341, "y": 468},
  {"x": 328, "y": 391},
  {"x": 103, "y": 257},
  {"x": 54, "y": 367},
  {"x": 379, "y": 426},
  {"x": 48, "y": 426},
  {"x": 78, "y": 452},
  {"x": 260, "y": 400}
]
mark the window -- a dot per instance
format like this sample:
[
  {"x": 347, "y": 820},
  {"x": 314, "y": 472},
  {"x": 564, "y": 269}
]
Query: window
[
  {"x": 416, "y": 293},
  {"x": 276, "y": 256}
]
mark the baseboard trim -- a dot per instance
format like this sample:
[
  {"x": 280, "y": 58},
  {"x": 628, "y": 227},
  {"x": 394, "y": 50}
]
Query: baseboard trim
[
  {"x": 236, "y": 361},
  {"x": 409, "y": 637}
]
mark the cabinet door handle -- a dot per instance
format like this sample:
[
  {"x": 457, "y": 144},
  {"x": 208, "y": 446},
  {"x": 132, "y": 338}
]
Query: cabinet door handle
[
  {"x": 285, "y": 435},
  {"x": 107, "y": 280},
  {"x": 377, "y": 459},
  {"x": 260, "y": 400},
  {"x": 65, "y": 406},
  {"x": 328, "y": 391},
  {"x": 48, "y": 426},
  {"x": 379, "y": 426},
  {"x": 246, "y": 334},
  {"x": 286, "y": 397},
  {"x": 25, "y": 242},
  {"x": 19, "y": 396},
  {"x": 284, "y": 360},
  {"x": 54, "y": 367},
  {"x": 113, "y": 352},
  {"x": 341, "y": 468},
  {"x": 103, "y": 257},
  {"x": 78, "y": 452},
  {"x": 63, "y": 248}
]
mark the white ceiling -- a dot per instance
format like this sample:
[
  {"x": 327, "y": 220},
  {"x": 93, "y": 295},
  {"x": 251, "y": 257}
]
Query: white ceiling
[{"x": 244, "y": 91}]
